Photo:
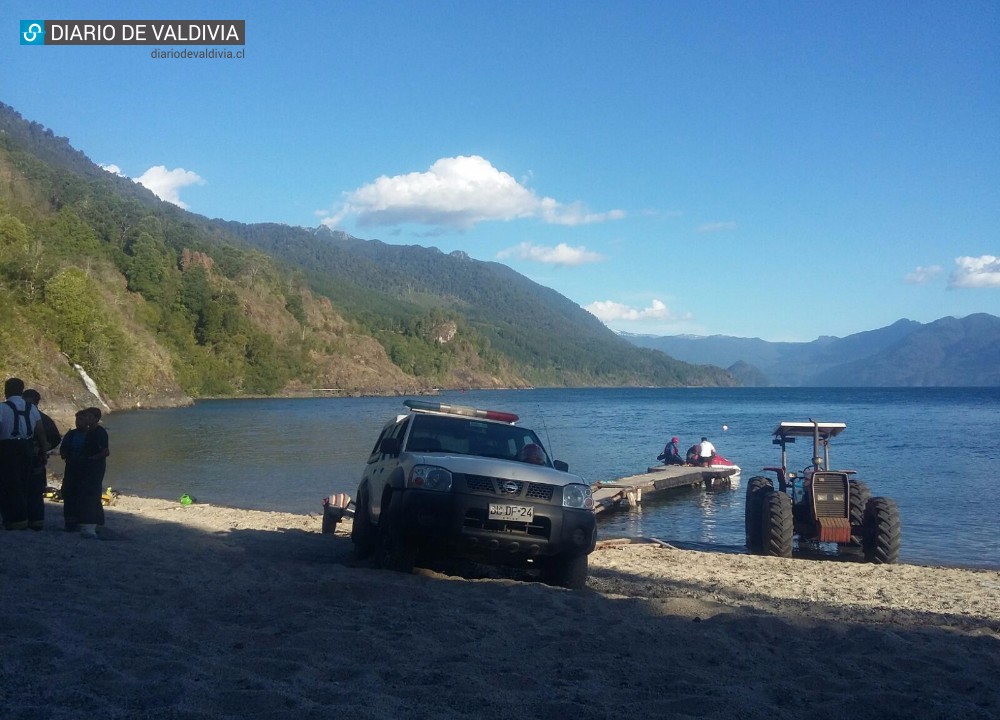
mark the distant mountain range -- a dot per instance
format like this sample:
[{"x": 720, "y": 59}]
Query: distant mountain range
[{"x": 953, "y": 352}]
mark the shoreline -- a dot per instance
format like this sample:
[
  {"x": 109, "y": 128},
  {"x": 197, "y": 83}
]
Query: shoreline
[
  {"x": 798, "y": 556},
  {"x": 201, "y": 612}
]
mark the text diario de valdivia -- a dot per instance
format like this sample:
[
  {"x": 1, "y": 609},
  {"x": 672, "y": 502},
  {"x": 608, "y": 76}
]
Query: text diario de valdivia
[{"x": 145, "y": 32}]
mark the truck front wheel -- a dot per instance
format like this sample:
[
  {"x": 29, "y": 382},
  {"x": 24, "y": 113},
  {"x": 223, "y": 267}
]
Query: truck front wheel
[
  {"x": 363, "y": 532},
  {"x": 395, "y": 552},
  {"x": 568, "y": 571}
]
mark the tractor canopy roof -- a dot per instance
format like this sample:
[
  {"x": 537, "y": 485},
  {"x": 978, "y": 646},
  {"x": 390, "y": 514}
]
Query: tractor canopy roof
[{"x": 827, "y": 430}]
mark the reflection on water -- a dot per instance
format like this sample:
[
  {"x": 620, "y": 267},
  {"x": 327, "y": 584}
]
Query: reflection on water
[
  {"x": 258, "y": 454},
  {"x": 289, "y": 454},
  {"x": 676, "y": 515}
]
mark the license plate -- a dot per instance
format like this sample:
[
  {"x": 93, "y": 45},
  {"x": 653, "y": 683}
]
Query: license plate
[{"x": 512, "y": 513}]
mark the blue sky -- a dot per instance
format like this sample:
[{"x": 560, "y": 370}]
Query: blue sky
[{"x": 781, "y": 170}]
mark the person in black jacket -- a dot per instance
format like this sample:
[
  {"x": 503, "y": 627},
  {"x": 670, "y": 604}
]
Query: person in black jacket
[
  {"x": 85, "y": 449},
  {"x": 35, "y": 494},
  {"x": 20, "y": 438}
]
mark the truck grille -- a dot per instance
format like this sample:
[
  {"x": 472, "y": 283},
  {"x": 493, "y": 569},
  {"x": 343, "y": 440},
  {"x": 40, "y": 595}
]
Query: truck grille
[
  {"x": 497, "y": 486},
  {"x": 476, "y": 518}
]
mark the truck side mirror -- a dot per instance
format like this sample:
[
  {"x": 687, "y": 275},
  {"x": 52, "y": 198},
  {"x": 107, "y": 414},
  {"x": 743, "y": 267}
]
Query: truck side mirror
[{"x": 560, "y": 465}]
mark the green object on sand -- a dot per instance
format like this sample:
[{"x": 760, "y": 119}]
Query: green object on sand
[{"x": 187, "y": 499}]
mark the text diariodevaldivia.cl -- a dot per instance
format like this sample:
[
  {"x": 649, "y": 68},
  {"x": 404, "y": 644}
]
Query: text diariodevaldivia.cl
[{"x": 209, "y": 54}]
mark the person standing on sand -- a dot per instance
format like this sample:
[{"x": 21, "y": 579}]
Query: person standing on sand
[
  {"x": 21, "y": 436},
  {"x": 706, "y": 451},
  {"x": 35, "y": 494},
  {"x": 71, "y": 450},
  {"x": 85, "y": 449},
  {"x": 100, "y": 464}
]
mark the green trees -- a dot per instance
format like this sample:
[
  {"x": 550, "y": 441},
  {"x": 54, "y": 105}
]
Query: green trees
[
  {"x": 60, "y": 232},
  {"x": 149, "y": 268},
  {"x": 73, "y": 313},
  {"x": 22, "y": 263}
]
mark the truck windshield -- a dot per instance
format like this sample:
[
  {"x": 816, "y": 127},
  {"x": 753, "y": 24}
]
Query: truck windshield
[{"x": 465, "y": 436}]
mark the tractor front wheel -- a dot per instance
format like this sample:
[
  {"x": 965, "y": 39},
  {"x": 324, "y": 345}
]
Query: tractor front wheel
[
  {"x": 752, "y": 510},
  {"x": 860, "y": 494},
  {"x": 776, "y": 524}
]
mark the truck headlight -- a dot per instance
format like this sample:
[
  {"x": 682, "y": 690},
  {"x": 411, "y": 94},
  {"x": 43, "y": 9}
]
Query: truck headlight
[
  {"x": 429, "y": 477},
  {"x": 578, "y": 496}
]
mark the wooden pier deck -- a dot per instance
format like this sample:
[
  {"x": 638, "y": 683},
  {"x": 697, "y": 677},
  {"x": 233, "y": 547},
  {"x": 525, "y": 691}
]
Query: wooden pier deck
[{"x": 629, "y": 491}]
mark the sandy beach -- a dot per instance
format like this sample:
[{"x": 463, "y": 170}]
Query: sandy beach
[{"x": 209, "y": 612}]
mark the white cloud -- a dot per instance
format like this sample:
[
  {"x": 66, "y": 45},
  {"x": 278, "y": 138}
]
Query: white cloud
[
  {"x": 113, "y": 169},
  {"x": 716, "y": 227},
  {"x": 166, "y": 184},
  {"x": 561, "y": 254},
  {"x": 609, "y": 311},
  {"x": 574, "y": 214},
  {"x": 976, "y": 272},
  {"x": 458, "y": 193},
  {"x": 922, "y": 275}
]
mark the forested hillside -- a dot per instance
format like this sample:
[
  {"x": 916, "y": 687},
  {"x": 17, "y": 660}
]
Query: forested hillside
[
  {"x": 397, "y": 292},
  {"x": 97, "y": 272},
  {"x": 157, "y": 304}
]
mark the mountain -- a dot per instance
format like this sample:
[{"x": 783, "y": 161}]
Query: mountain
[
  {"x": 548, "y": 338},
  {"x": 748, "y": 375},
  {"x": 157, "y": 305},
  {"x": 947, "y": 352},
  {"x": 781, "y": 363}
]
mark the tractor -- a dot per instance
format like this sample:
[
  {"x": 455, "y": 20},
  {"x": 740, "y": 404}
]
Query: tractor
[{"x": 818, "y": 504}]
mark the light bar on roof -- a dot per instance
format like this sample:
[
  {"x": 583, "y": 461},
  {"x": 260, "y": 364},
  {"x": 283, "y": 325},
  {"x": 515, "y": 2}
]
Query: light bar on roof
[{"x": 461, "y": 410}]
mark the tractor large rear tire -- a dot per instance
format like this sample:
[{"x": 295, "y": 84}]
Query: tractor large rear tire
[
  {"x": 776, "y": 524},
  {"x": 883, "y": 531},
  {"x": 860, "y": 494},
  {"x": 752, "y": 511}
]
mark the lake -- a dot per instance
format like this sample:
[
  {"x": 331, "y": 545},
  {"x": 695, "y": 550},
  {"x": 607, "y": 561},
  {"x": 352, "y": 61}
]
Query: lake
[{"x": 934, "y": 450}]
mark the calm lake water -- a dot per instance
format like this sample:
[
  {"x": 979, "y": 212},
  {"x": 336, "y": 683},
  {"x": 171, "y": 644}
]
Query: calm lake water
[{"x": 934, "y": 450}]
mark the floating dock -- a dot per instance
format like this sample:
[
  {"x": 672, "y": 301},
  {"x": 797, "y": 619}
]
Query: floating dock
[{"x": 629, "y": 491}]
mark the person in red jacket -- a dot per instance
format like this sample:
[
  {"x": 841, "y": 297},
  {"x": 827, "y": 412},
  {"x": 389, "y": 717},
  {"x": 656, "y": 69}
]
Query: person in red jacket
[{"x": 671, "y": 455}]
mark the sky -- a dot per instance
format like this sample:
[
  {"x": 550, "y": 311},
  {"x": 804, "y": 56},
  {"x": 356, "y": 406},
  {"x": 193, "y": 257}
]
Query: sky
[{"x": 773, "y": 169}]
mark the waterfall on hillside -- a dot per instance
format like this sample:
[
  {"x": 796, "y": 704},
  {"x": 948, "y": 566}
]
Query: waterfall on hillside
[{"x": 91, "y": 385}]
